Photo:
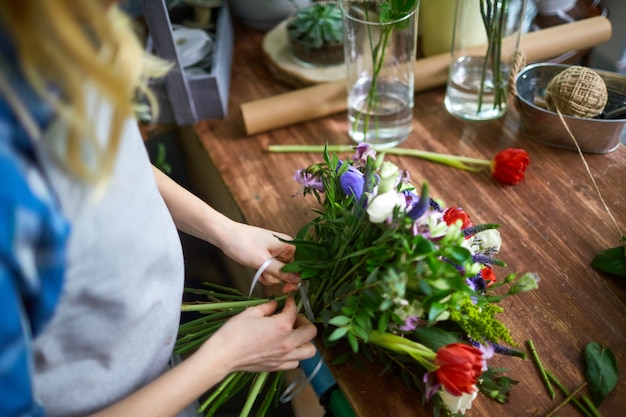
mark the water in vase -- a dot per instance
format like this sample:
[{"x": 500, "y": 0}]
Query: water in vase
[
  {"x": 464, "y": 97},
  {"x": 383, "y": 119}
]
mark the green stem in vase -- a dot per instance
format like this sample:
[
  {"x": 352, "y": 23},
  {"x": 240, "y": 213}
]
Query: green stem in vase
[
  {"x": 378, "y": 59},
  {"x": 499, "y": 85},
  {"x": 389, "y": 11},
  {"x": 494, "y": 19}
]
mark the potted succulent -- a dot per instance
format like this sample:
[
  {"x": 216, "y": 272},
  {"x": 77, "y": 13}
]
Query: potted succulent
[{"x": 315, "y": 34}]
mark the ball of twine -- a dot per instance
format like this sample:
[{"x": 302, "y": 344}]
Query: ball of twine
[{"x": 577, "y": 91}]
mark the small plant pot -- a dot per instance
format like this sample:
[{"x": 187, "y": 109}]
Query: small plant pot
[
  {"x": 315, "y": 35},
  {"x": 305, "y": 54}
]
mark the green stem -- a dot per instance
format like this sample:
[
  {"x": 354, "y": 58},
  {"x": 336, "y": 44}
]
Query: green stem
[
  {"x": 494, "y": 20},
  {"x": 488, "y": 19},
  {"x": 204, "y": 332},
  {"x": 542, "y": 370},
  {"x": 566, "y": 400},
  {"x": 272, "y": 392},
  {"x": 201, "y": 322},
  {"x": 591, "y": 407},
  {"x": 455, "y": 161},
  {"x": 228, "y": 305},
  {"x": 398, "y": 344},
  {"x": 259, "y": 381},
  {"x": 234, "y": 377},
  {"x": 212, "y": 294},
  {"x": 565, "y": 392},
  {"x": 499, "y": 89},
  {"x": 378, "y": 60}
]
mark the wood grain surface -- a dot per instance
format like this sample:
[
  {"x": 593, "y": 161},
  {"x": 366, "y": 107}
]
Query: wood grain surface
[{"x": 553, "y": 224}]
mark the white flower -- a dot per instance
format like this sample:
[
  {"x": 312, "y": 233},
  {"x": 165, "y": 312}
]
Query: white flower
[
  {"x": 388, "y": 177},
  {"x": 487, "y": 241},
  {"x": 458, "y": 404},
  {"x": 381, "y": 207}
]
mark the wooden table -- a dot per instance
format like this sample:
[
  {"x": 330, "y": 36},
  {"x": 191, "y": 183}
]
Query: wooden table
[{"x": 553, "y": 223}]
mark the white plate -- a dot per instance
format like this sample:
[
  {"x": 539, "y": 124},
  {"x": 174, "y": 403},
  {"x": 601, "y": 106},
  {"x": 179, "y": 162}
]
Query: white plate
[{"x": 193, "y": 44}]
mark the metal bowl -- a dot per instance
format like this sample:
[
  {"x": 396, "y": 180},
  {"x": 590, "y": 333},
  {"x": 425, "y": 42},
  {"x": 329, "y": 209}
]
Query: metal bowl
[{"x": 594, "y": 135}]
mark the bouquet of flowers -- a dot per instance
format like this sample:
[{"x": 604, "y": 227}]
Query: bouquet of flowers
[{"x": 401, "y": 278}]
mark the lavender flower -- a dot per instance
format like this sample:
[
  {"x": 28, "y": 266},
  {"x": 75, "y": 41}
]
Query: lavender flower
[
  {"x": 362, "y": 153},
  {"x": 309, "y": 180}
]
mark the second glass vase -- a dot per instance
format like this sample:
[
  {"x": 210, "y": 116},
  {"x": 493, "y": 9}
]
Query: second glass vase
[{"x": 484, "y": 42}]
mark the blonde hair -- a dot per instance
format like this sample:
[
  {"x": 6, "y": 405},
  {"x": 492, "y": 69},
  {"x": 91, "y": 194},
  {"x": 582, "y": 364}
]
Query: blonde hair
[{"x": 71, "y": 45}]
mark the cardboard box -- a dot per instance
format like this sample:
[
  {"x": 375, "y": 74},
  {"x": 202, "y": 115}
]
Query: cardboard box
[{"x": 183, "y": 99}]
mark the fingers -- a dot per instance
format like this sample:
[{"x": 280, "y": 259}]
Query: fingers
[
  {"x": 304, "y": 329},
  {"x": 274, "y": 276},
  {"x": 302, "y": 352},
  {"x": 288, "y": 288}
]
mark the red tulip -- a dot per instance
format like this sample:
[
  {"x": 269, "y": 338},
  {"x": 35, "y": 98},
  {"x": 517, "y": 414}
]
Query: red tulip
[
  {"x": 509, "y": 165},
  {"x": 460, "y": 365},
  {"x": 452, "y": 214}
]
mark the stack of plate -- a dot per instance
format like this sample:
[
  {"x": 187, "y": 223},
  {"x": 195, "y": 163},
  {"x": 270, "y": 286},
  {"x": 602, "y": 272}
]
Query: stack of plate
[{"x": 195, "y": 48}]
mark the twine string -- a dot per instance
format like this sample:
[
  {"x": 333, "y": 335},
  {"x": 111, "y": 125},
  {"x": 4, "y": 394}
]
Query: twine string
[{"x": 593, "y": 181}]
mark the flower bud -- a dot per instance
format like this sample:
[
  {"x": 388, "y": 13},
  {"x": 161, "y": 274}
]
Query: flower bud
[
  {"x": 487, "y": 241},
  {"x": 388, "y": 177},
  {"x": 527, "y": 282},
  {"x": 381, "y": 207}
]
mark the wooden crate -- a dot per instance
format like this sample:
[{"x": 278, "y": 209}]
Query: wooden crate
[{"x": 185, "y": 100}]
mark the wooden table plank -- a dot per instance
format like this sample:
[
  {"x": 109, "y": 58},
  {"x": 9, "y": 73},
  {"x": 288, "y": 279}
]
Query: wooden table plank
[{"x": 553, "y": 223}]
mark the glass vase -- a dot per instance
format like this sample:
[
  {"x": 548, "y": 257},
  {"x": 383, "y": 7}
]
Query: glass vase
[
  {"x": 482, "y": 56},
  {"x": 379, "y": 53}
]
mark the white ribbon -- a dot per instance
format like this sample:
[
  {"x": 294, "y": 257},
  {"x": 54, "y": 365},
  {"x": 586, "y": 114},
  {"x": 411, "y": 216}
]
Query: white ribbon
[
  {"x": 296, "y": 386},
  {"x": 258, "y": 274}
]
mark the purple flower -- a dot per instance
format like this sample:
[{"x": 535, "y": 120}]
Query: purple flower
[
  {"x": 363, "y": 151},
  {"x": 410, "y": 324},
  {"x": 352, "y": 182},
  {"x": 431, "y": 385},
  {"x": 309, "y": 181},
  {"x": 418, "y": 209}
]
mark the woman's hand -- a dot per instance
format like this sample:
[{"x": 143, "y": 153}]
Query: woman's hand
[
  {"x": 252, "y": 246},
  {"x": 248, "y": 245},
  {"x": 257, "y": 340}
]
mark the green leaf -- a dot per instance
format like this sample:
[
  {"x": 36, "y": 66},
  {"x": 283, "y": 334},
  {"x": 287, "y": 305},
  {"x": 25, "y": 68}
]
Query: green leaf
[
  {"x": 612, "y": 261},
  {"x": 354, "y": 343},
  {"x": 338, "y": 333},
  {"x": 601, "y": 372},
  {"x": 342, "y": 358},
  {"x": 339, "y": 321},
  {"x": 434, "y": 337},
  {"x": 436, "y": 309}
]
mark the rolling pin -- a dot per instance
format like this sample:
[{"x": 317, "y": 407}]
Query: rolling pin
[{"x": 329, "y": 98}]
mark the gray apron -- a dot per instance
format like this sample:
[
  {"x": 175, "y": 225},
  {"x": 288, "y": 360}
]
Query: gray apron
[{"x": 116, "y": 323}]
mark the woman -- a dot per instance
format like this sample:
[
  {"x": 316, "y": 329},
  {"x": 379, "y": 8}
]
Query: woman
[{"x": 91, "y": 270}]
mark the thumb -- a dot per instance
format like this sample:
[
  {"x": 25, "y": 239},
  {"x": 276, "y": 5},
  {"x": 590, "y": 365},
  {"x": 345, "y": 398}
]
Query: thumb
[{"x": 265, "y": 309}]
